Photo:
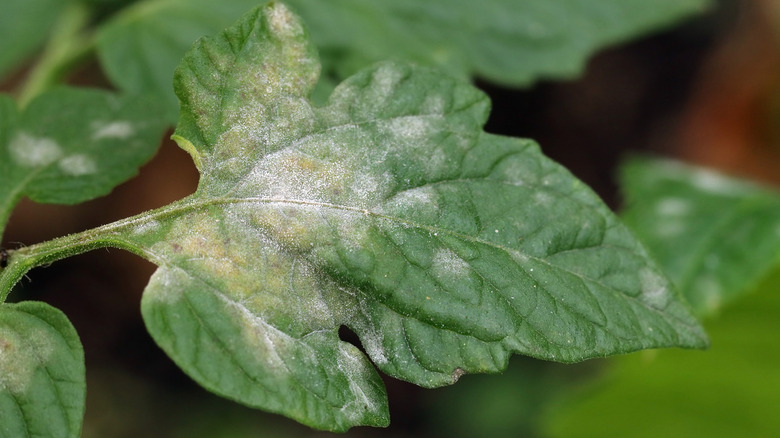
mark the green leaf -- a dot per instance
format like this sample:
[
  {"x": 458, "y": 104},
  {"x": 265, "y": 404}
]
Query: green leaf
[
  {"x": 72, "y": 145},
  {"x": 731, "y": 390},
  {"x": 24, "y": 26},
  {"x": 715, "y": 236},
  {"x": 507, "y": 41},
  {"x": 389, "y": 211},
  {"x": 42, "y": 377},
  {"x": 140, "y": 48}
]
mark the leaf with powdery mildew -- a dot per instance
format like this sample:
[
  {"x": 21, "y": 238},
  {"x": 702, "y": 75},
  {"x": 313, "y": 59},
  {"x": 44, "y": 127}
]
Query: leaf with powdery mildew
[
  {"x": 389, "y": 211},
  {"x": 70, "y": 145},
  {"x": 42, "y": 378},
  {"x": 716, "y": 236}
]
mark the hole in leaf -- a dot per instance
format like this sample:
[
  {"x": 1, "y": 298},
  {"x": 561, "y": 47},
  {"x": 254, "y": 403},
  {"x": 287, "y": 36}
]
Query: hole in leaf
[{"x": 347, "y": 335}]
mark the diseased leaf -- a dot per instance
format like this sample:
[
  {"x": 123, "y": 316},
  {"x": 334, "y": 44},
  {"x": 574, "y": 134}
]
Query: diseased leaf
[
  {"x": 24, "y": 25},
  {"x": 730, "y": 390},
  {"x": 389, "y": 211},
  {"x": 507, "y": 41},
  {"x": 71, "y": 145},
  {"x": 715, "y": 236},
  {"x": 42, "y": 377}
]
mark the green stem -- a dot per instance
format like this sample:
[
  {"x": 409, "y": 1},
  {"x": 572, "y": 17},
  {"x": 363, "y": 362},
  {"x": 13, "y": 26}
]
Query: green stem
[
  {"x": 68, "y": 43},
  {"x": 22, "y": 260}
]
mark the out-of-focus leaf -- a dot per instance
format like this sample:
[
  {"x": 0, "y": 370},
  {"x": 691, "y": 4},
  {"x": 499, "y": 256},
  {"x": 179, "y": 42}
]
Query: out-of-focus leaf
[
  {"x": 140, "y": 48},
  {"x": 42, "y": 378},
  {"x": 388, "y": 210},
  {"x": 24, "y": 26},
  {"x": 70, "y": 145},
  {"x": 728, "y": 391},
  {"x": 714, "y": 236},
  {"x": 507, "y": 41}
]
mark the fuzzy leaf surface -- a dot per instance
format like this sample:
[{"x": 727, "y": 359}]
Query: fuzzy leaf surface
[
  {"x": 715, "y": 236},
  {"x": 71, "y": 145},
  {"x": 42, "y": 376},
  {"x": 507, "y": 41},
  {"x": 388, "y": 210}
]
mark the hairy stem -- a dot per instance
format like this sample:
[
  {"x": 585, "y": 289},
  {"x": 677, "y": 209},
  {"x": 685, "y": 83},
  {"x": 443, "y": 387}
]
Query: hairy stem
[{"x": 22, "y": 260}]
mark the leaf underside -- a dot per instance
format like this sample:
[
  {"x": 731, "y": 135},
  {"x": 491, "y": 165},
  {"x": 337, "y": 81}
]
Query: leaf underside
[{"x": 389, "y": 211}]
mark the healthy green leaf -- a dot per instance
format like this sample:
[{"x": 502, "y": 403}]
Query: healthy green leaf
[
  {"x": 715, "y": 236},
  {"x": 507, "y": 41},
  {"x": 389, "y": 211},
  {"x": 24, "y": 26},
  {"x": 42, "y": 377},
  {"x": 731, "y": 390},
  {"x": 71, "y": 145}
]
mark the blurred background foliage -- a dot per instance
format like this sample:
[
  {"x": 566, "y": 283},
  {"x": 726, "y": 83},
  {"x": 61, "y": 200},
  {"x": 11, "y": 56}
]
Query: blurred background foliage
[{"x": 705, "y": 90}]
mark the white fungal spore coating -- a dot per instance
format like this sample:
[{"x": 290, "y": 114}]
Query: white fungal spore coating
[
  {"x": 30, "y": 151},
  {"x": 654, "y": 290},
  {"x": 21, "y": 355},
  {"x": 447, "y": 264},
  {"x": 283, "y": 22},
  {"x": 78, "y": 165},
  {"x": 118, "y": 129}
]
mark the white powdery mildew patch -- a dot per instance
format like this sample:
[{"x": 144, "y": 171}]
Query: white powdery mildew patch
[
  {"x": 669, "y": 228},
  {"x": 78, "y": 165},
  {"x": 350, "y": 363},
  {"x": 290, "y": 174},
  {"x": 367, "y": 190},
  {"x": 673, "y": 207},
  {"x": 31, "y": 151},
  {"x": 715, "y": 183},
  {"x": 118, "y": 129},
  {"x": 267, "y": 342},
  {"x": 411, "y": 130},
  {"x": 283, "y": 22},
  {"x": 372, "y": 342},
  {"x": 20, "y": 357},
  {"x": 447, "y": 264},
  {"x": 654, "y": 291},
  {"x": 386, "y": 78},
  {"x": 543, "y": 199},
  {"x": 421, "y": 198},
  {"x": 433, "y": 104},
  {"x": 146, "y": 227},
  {"x": 166, "y": 286}
]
